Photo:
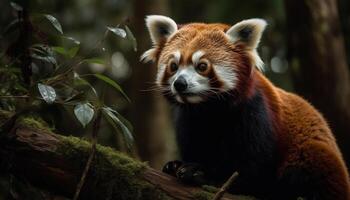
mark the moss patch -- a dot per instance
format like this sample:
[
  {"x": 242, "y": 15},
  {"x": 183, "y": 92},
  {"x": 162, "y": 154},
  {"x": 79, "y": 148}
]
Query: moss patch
[
  {"x": 28, "y": 120},
  {"x": 203, "y": 195},
  {"x": 33, "y": 122},
  {"x": 210, "y": 188},
  {"x": 113, "y": 174},
  {"x": 207, "y": 193},
  {"x": 4, "y": 116}
]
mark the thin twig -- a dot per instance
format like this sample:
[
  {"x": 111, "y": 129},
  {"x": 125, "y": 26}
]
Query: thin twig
[
  {"x": 95, "y": 130},
  {"x": 226, "y": 185},
  {"x": 11, "y": 96}
]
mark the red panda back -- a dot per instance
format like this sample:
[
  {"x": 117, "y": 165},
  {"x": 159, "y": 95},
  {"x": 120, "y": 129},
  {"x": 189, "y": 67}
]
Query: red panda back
[{"x": 306, "y": 141}]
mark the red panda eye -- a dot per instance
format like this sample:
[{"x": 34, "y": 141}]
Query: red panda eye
[
  {"x": 173, "y": 67},
  {"x": 202, "y": 67}
]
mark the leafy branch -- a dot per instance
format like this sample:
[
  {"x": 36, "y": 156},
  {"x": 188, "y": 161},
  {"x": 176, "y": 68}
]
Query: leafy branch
[{"x": 39, "y": 73}]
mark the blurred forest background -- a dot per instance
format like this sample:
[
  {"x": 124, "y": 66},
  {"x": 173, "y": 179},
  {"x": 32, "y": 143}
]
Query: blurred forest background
[{"x": 306, "y": 49}]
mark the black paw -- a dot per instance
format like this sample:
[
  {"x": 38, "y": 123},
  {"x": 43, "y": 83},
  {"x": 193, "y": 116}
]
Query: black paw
[
  {"x": 191, "y": 173},
  {"x": 172, "y": 167}
]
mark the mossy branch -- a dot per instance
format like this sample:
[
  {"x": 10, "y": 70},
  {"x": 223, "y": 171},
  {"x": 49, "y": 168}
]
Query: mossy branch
[{"x": 55, "y": 163}]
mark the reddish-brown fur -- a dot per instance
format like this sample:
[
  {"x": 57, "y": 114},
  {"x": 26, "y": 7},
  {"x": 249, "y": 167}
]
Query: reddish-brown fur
[{"x": 303, "y": 136}]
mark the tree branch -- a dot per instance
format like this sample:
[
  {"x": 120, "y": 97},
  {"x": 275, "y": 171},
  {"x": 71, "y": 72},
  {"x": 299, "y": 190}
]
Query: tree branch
[
  {"x": 226, "y": 185},
  {"x": 55, "y": 163}
]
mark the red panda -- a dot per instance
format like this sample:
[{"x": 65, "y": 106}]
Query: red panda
[{"x": 229, "y": 117}]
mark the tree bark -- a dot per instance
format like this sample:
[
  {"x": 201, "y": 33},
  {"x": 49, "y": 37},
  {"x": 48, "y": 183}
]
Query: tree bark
[
  {"x": 54, "y": 163},
  {"x": 318, "y": 62},
  {"x": 149, "y": 113}
]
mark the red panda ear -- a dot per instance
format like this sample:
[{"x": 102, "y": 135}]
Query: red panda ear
[
  {"x": 247, "y": 32},
  {"x": 160, "y": 29}
]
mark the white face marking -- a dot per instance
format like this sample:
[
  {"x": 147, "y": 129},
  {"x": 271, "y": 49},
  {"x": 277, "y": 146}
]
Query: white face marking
[
  {"x": 196, "y": 84},
  {"x": 177, "y": 56},
  {"x": 160, "y": 73},
  {"x": 147, "y": 56},
  {"x": 194, "y": 99},
  {"x": 227, "y": 75},
  {"x": 178, "y": 98},
  {"x": 196, "y": 56},
  {"x": 162, "y": 67}
]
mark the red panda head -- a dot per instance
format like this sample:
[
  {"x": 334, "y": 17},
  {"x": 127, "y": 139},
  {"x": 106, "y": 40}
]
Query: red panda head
[{"x": 200, "y": 61}]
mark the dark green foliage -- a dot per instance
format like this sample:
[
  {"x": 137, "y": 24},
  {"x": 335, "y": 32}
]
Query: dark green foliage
[
  {"x": 39, "y": 69},
  {"x": 47, "y": 73}
]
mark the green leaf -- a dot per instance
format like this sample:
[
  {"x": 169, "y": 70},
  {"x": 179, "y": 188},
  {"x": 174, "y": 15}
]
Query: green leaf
[
  {"x": 16, "y": 6},
  {"x": 118, "y": 31},
  {"x": 125, "y": 121},
  {"x": 112, "y": 83},
  {"x": 55, "y": 23},
  {"x": 46, "y": 58},
  {"x": 113, "y": 119},
  {"x": 78, "y": 81},
  {"x": 75, "y": 41},
  {"x": 75, "y": 99},
  {"x": 95, "y": 60},
  {"x": 20, "y": 88},
  {"x": 131, "y": 37},
  {"x": 69, "y": 50},
  {"x": 60, "y": 50},
  {"x": 72, "y": 52},
  {"x": 44, "y": 53},
  {"x": 47, "y": 92},
  {"x": 42, "y": 49},
  {"x": 15, "y": 24},
  {"x": 84, "y": 113}
]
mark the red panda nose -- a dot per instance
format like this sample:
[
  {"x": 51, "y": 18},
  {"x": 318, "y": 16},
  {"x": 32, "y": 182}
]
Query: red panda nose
[{"x": 180, "y": 84}]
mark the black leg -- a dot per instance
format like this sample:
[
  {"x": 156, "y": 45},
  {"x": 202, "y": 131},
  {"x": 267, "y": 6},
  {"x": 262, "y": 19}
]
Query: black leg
[
  {"x": 171, "y": 167},
  {"x": 189, "y": 173}
]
